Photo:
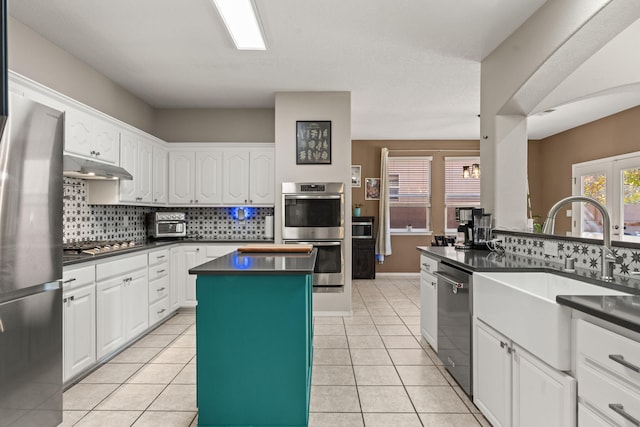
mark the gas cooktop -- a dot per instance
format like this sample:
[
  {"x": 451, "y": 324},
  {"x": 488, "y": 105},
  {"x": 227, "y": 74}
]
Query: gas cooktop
[{"x": 96, "y": 247}]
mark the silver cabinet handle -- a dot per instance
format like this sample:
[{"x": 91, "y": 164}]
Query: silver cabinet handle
[
  {"x": 619, "y": 409},
  {"x": 161, "y": 289},
  {"x": 1, "y": 327},
  {"x": 503, "y": 344},
  {"x": 162, "y": 311},
  {"x": 160, "y": 257},
  {"x": 433, "y": 284},
  {"x": 73, "y": 279},
  {"x": 161, "y": 271},
  {"x": 426, "y": 266},
  {"x": 65, "y": 299},
  {"x": 620, "y": 359}
]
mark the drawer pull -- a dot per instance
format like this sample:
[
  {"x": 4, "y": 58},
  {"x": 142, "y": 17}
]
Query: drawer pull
[
  {"x": 426, "y": 266},
  {"x": 161, "y": 289},
  {"x": 161, "y": 271},
  {"x": 619, "y": 409},
  {"x": 160, "y": 257},
  {"x": 620, "y": 359},
  {"x": 162, "y": 311},
  {"x": 73, "y": 279}
]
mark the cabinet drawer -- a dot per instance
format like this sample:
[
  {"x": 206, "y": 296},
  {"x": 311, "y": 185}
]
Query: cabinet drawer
[
  {"x": 77, "y": 277},
  {"x": 600, "y": 390},
  {"x": 588, "y": 418},
  {"x": 158, "y": 310},
  {"x": 121, "y": 266},
  {"x": 158, "y": 257},
  {"x": 158, "y": 288},
  {"x": 612, "y": 351},
  {"x": 158, "y": 271},
  {"x": 428, "y": 264}
]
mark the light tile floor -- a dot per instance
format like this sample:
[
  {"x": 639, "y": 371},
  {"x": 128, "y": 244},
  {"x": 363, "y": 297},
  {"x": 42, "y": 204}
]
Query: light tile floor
[{"x": 370, "y": 369}]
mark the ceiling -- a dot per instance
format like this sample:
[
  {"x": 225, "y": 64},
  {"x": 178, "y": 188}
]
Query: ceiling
[{"x": 412, "y": 66}]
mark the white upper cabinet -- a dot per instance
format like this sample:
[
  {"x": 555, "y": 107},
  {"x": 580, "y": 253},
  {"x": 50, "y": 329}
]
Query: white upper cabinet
[
  {"x": 160, "y": 175},
  {"x": 249, "y": 177},
  {"x": 236, "y": 177},
  {"x": 136, "y": 158},
  {"x": 262, "y": 183},
  {"x": 91, "y": 136},
  {"x": 208, "y": 177},
  {"x": 195, "y": 177},
  {"x": 181, "y": 177}
]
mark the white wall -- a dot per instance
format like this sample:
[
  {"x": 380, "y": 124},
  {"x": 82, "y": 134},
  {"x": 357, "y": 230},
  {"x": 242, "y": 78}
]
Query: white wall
[{"x": 336, "y": 107}]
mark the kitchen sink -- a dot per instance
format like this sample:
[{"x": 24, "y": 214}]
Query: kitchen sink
[{"x": 523, "y": 307}]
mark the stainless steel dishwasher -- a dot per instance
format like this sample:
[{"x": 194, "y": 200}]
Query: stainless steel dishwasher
[{"x": 454, "y": 322}]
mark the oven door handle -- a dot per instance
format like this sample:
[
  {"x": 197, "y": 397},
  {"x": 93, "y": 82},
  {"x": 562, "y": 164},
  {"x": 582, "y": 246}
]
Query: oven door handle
[
  {"x": 315, "y": 196},
  {"x": 456, "y": 285},
  {"x": 318, "y": 243}
]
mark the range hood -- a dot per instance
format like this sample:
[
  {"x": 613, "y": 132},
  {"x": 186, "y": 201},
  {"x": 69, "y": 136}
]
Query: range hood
[{"x": 77, "y": 167}]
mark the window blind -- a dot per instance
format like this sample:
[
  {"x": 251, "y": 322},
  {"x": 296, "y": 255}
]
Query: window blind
[
  {"x": 409, "y": 192},
  {"x": 459, "y": 191}
]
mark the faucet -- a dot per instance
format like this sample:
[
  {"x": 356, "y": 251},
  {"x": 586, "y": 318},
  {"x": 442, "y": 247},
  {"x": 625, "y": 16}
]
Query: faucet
[{"x": 608, "y": 260}]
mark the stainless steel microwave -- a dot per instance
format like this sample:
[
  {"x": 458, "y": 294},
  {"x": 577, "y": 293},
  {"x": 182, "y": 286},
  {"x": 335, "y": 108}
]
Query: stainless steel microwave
[{"x": 362, "y": 227}]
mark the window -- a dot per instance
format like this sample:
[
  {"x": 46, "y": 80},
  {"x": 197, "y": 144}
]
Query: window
[
  {"x": 458, "y": 191},
  {"x": 614, "y": 182},
  {"x": 409, "y": 193}
]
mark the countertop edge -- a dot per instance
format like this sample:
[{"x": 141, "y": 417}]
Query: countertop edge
[
  {"x": 568, "y": 301},
  {"x": 224, "y": 266}
]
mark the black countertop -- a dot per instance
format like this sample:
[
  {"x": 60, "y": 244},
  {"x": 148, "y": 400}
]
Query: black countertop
[
  {"x": 620, "y": 310},
  {"x": 259, "y": 263},
  {"x": 80, "y": 258}
]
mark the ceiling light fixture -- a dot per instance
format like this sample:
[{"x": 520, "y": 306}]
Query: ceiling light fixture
[{"x": 241, "y": 19}]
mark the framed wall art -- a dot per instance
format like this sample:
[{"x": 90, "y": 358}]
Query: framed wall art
[
  {"x": 356, "y": 171},
  {"x": 313, "y": 142},
  {"x": 372, "y": 188}
]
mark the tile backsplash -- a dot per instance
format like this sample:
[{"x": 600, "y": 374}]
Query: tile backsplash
[
  {"x": 116, "y": 222},
  {"x": 586, "y": 254}
]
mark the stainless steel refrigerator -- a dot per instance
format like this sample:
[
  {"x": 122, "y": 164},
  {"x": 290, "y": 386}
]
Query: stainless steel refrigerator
[{"x": 31, "y": 266}]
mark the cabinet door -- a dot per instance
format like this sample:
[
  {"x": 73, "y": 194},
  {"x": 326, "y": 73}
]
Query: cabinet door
[
  {"x": 106, "y": 141},
  {"x": 181, "y": 177},
  {"x": 78, "y": 132},
  {"x": 191, "y": 259},
  {"x": 492, "y": 374},
  {"x": 236, "y": 177},
  {"x": 79, "y": 330},
  {"x": 262, "y": 177},
  {"x": 542, "y": 396},
  {"x": 176, "y": 289},
  {"x": 160, "y": 175},
  {"x": 143, "y": 170},
  {"x": 208, "y": 177},
  {"x": 129, "y": 161},
  {"x": 109, "y": 316},
  {"x": 429, "y": 309},
  {"x": 136, "y": 303}
]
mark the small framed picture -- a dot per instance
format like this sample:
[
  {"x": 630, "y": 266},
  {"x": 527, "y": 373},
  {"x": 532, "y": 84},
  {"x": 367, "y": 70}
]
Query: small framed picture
[
  {"x": 356, "y": 171},
  {"x": 313, "y": 142},
  {"x": 372, "y": 188}
]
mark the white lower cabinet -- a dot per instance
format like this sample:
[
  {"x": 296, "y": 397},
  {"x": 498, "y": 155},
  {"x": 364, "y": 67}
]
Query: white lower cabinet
[
  {"x": 177, "y": 278},
  {"x": 608, "y": 372},
  {"x": 79, "y": 308},
  {"x": 512, "y": 387},
  {"x": 122, "y": 302},
  {"x": 429, "y": 301},
  {"x": 159, "y": 285}
]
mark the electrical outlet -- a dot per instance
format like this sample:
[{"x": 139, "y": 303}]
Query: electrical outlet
[{"x": 550, "y": 248}]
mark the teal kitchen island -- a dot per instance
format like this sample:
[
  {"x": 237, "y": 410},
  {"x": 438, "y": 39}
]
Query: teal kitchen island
[{"x": 254, "y": 339}]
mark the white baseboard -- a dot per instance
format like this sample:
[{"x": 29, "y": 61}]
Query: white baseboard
[{"x": 407, "y": 274}]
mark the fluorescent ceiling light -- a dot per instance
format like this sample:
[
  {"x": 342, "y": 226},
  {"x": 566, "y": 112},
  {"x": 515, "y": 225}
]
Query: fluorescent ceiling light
[{"x": 242, "y": 23}]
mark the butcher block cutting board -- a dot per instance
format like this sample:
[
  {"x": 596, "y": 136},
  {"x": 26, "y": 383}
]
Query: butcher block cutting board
[{"x": 274, "y": 248}]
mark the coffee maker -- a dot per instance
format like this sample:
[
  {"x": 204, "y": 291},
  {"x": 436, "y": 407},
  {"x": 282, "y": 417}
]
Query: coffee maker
[{"x": 474, "y": 229}]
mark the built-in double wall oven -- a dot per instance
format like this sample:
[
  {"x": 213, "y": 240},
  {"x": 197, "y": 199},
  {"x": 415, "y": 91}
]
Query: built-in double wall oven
[{"x": 313, "y": 213}]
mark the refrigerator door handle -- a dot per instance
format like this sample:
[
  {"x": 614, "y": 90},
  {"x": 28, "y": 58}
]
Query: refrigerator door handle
[{"x": 1, "y": 326}]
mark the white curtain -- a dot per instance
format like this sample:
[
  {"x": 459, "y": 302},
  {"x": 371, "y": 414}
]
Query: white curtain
[{"x": 383, "y": 242}]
